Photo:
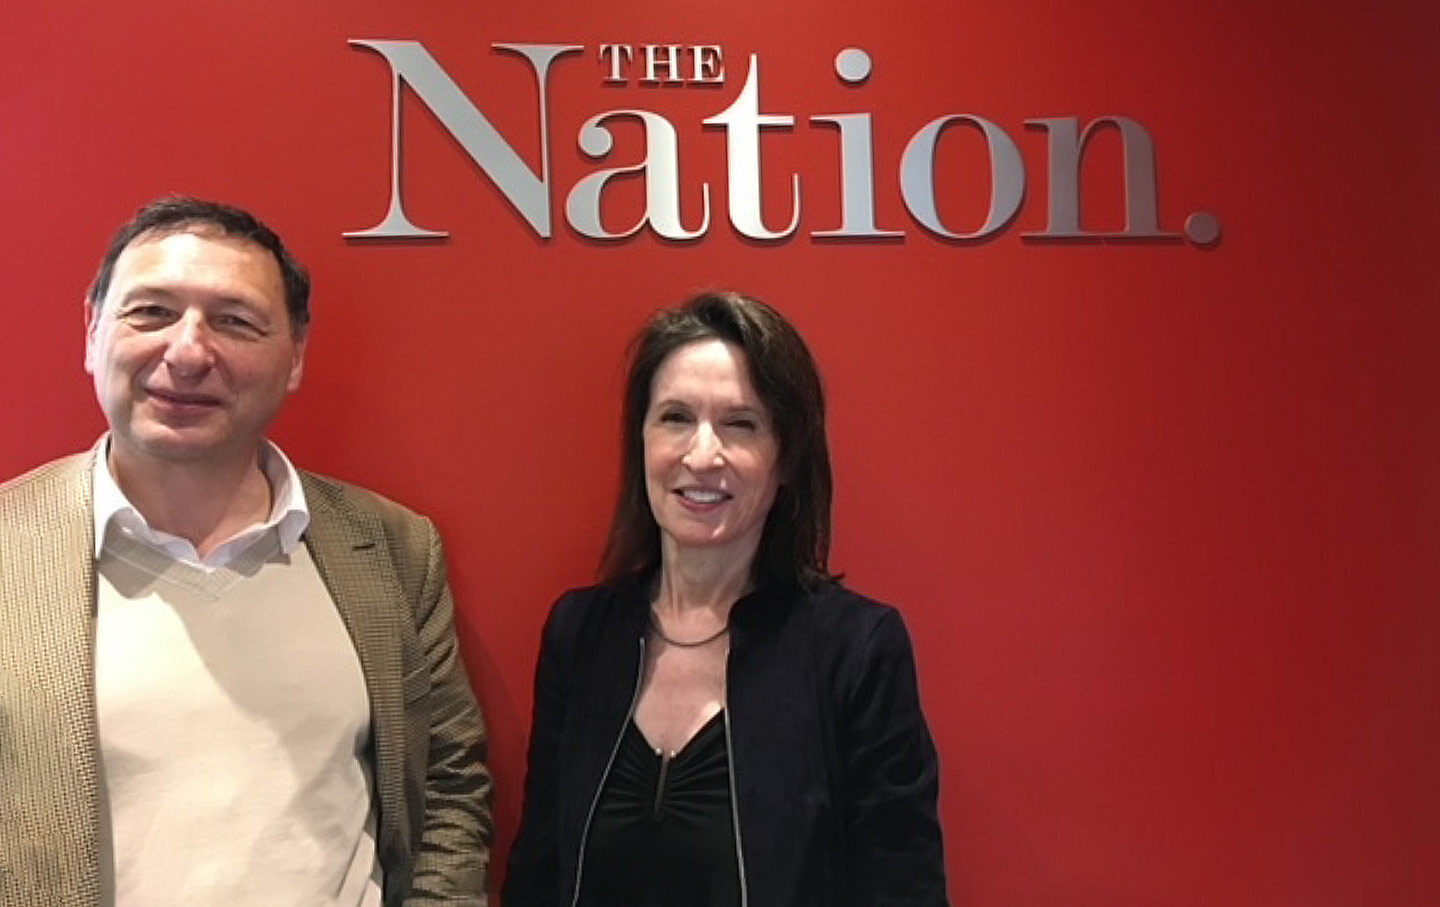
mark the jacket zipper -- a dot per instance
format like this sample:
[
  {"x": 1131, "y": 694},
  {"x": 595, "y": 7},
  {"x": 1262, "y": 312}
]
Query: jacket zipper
[
  {"x": 734, "y": 798},
  {"x": 609, "y": 763},
  {"x": 659, "y": 804}
]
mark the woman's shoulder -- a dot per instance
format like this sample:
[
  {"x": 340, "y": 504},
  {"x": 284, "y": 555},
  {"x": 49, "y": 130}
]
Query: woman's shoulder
[
  {"x": 581, "y": 599},
  {"x": 845, "y": 622},
  {"x": 835, "y": 604},
  {"x": 587, "y": 608}
]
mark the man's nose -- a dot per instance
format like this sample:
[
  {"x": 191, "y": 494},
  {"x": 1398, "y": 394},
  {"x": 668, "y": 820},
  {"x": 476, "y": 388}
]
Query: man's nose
[{"x": 188, "y": 349}]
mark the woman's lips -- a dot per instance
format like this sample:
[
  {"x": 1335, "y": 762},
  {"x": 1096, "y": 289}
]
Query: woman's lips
[{"x": 701, "y": 499}]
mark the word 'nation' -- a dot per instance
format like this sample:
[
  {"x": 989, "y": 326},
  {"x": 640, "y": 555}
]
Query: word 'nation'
[{"x": 530, "y": 192}]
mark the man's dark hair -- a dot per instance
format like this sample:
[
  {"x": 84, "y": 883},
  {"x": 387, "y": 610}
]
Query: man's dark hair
[
  {"x": 795, "y": 544},
  {"x": 181, "y": 214}
]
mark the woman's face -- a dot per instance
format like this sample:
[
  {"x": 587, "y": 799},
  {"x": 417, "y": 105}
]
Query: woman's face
[{"x": 711, "y": 452}]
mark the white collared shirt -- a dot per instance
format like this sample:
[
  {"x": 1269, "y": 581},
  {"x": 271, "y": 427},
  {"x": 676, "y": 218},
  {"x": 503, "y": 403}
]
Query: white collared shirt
[{"x": 289, "y": 515}]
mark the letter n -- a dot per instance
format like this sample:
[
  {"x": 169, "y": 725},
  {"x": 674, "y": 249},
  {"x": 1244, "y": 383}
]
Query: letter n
[
  {"x": 413, "y": 65},
  {"x": 1067, "y": 147}
]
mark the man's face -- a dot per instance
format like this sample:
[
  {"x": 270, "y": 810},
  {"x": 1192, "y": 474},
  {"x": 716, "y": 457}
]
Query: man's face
[{"x": 192, "y": 349}]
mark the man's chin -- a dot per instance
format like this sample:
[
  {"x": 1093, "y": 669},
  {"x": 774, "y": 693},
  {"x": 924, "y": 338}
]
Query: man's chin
[{"x": 184, "y": 445}]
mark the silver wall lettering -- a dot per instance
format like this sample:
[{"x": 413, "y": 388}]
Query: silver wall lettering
[
  {"x": 661, "y": 168},
  {"x": 664, "y": 63},
  {"x": 743, "y": 121},
  {"x": 917, "y": 177},
  {"x": 857, "y": 177},
  {"x": 709, "y": 64},
  {"x": 617, "y": 57},
  {"x": 857, "y": 156},
  {"x": 1067, "y": 147},
  {"x": 670, "y": 63},
  {"x": 528, "y": 188},
  {"x": 412, "y": 64}
]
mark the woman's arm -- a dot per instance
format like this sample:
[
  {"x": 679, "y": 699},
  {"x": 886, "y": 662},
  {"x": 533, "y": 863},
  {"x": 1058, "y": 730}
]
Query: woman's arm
[
  {"x": 531, "y": 878},
  {"x": 891, "y": 778}
]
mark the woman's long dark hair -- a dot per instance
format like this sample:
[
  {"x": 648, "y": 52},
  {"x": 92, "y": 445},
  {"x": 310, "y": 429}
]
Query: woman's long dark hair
[{"x": 795, "y": 544}]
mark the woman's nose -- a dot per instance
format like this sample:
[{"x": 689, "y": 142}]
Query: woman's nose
[{"x": 704, "y": 452}]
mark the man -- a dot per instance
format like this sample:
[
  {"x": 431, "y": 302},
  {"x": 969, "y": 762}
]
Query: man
[{"x": 223, "y": 681}]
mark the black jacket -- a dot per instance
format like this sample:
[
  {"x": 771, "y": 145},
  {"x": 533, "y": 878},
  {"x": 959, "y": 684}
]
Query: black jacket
[{"x": 835, "y": 773}]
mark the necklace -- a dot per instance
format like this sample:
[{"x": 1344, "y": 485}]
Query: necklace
[{"x": 655, "y": 625}]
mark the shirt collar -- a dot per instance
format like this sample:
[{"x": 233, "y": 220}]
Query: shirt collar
[{"x": 289, "y": 515}]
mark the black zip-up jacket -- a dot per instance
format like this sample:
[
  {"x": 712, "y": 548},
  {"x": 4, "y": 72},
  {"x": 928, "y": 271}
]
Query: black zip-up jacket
[{"x": 834, "y": 771}]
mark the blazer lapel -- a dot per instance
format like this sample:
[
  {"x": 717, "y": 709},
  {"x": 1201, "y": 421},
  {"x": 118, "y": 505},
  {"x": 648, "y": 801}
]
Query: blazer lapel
[
  {"x": 348, "y": 546},
  {"x": 49, "y": 742}
]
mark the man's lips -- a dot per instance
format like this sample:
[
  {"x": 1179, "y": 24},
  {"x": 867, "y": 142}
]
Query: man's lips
[{"x": 182, "y": 398}]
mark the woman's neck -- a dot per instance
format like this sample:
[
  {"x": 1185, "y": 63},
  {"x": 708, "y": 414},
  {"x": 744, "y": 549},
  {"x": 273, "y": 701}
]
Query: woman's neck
[{"x": 698, "y": 579}]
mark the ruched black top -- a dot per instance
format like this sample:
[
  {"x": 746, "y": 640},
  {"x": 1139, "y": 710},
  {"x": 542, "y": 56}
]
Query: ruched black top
[{"x": 663, "y": 833}]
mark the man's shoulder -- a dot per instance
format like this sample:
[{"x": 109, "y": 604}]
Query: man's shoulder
[
  {"x": 345, "y": 518},
  {"x": 330, "y": 498},
  {"x": 340, "y": 493},
  {"x": 61, "y": 481}
]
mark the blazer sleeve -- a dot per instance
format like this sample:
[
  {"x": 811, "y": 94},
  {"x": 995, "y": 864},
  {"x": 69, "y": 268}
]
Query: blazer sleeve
[
  {"x": 894, "y": 853},
  {"x": 452, "y": 858}
]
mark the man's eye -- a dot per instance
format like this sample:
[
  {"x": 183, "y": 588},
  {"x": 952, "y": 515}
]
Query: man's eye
[
  {"x": 147, "y": 314},
  {"x": 237, "y": 323}
]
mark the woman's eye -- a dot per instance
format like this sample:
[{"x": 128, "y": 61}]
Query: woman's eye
[
  {"x": 674, "y": 417},
  {"x": 743, "y": 422}
]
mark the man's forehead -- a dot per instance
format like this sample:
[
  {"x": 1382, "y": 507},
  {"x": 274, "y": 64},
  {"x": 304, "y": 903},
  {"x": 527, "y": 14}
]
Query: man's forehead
[
  {"x": 171, "y": 245},
  {"x": 202, "y": 252},
  {"x": 198, "y": 228}
]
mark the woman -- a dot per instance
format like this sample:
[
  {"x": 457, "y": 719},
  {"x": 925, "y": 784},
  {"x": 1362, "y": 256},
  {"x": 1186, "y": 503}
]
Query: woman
[{"x": 720, "y": 723}]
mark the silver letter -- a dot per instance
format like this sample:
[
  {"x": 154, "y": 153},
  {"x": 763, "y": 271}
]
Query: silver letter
[
  {"x": 662, "y": 180},
  {"x": 671, "y": 63},
  {"x": 743, "y": 121},
  {"x": 615, "y": 51},
  {"x": 709, "y": 67},
  {"x": 917, "y": 177},
  {"x": 1067, "y": 146},
  {"x": 857, "y": 157},
  {"x": 857, "y": 177},
  {"x": 530, "y": 195}
]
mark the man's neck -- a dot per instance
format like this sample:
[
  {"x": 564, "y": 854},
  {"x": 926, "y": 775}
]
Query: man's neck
[{"x": 203, "y": 502}]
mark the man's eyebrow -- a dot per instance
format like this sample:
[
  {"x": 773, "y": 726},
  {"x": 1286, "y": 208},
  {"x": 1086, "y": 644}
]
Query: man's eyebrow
[
  {"x": 167, "y": 295},
  {"x": 145, "y": 291}
]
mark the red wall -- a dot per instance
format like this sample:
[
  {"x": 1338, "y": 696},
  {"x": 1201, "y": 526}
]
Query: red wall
[{"x": 1161, "y": 518}]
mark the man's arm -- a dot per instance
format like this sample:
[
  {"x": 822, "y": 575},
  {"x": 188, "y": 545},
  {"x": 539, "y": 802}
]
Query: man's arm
[{"x": 451, "y": 859}]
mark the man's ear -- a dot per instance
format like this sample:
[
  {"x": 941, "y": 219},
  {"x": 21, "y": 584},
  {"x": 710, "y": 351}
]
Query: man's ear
[
  {"x": 92, "y": 320},
  {"x": 297, "y": 368}
]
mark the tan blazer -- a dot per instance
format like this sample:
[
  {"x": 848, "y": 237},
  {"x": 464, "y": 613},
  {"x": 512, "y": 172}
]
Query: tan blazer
[{"x": 385, "y": 571}]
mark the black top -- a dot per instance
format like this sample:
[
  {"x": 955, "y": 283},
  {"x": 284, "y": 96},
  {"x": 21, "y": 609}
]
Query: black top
[
  {"x": 834, "y": 772},
  {"x": 663, "y": 834}
]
